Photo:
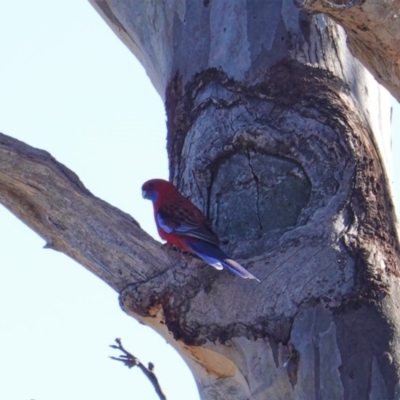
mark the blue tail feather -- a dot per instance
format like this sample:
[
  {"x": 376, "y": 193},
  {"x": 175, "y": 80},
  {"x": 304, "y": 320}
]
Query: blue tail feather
[{"x": 214, "y": 256}]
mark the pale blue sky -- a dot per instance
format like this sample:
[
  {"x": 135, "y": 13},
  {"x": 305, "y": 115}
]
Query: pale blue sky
[{"x": 69, "y": 86}]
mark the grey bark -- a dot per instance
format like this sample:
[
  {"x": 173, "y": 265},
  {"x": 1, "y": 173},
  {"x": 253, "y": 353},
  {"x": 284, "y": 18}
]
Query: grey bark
[
  {"x": 274, "y": 130},
  {"x": 278, "y": 134},
  {"x": 373, "y": 33}
]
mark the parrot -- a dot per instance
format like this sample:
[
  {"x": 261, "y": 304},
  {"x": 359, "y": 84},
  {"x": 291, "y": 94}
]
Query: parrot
[{"x": 181, "y": 224}]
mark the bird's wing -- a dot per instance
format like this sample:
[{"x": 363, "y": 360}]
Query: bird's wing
[{"x": 185, "y": 220}]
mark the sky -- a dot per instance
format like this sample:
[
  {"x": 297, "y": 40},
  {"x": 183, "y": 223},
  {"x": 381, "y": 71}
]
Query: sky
[{"x": 69, "y": 86}]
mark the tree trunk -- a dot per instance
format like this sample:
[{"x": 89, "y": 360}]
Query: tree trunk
[
  {"x": 278, "y": 134},
  {"x": 273, "y": 131}
]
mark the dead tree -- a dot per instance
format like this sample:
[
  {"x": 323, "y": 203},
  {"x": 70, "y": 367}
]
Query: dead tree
[{"x": 279, "y": 135}]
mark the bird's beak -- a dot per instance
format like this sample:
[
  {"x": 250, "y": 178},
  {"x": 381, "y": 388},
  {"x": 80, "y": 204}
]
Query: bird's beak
[{"x": 144, "y": 194}]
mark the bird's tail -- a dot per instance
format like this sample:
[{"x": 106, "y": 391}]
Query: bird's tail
[
  {"x": 237, "y": 269},
  {"x": 214, "y": 256}
]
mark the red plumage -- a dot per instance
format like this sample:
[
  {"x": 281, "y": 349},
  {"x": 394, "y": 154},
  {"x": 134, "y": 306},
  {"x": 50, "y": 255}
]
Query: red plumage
[{"x": 183, "y": 225}]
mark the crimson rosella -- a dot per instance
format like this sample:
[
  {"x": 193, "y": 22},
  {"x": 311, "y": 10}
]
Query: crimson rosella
[{"x": 183, "y": 225}]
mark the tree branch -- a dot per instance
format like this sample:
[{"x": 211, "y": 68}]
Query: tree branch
[
  {"x": 131, "y": 361},
  {"x": 373, "y": 34},
  {"x": 52, "y": 201}
]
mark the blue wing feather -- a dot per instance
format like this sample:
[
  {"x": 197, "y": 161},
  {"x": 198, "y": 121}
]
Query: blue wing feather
[{"x": 183, "y": 225}]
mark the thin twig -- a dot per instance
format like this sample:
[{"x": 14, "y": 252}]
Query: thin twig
[{"x": 131, "y": 361}]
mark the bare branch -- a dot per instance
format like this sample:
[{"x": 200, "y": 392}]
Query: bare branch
[
  {"x": 131, "y": 361},
  {"x": 373, "y": 34},
  {"x": 51, "y": 200}
]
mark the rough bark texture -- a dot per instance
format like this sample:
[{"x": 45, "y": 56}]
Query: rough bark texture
[
  {"x": 275, "y": 131},
  {"x": 52, "y": 201},
  {"x": 373, "y": 34}
]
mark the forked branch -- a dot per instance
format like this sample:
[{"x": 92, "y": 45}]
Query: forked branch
[{"x": 131, "y": 361}]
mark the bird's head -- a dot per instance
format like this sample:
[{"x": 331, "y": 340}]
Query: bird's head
[{"x": 153, "y": 188}]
